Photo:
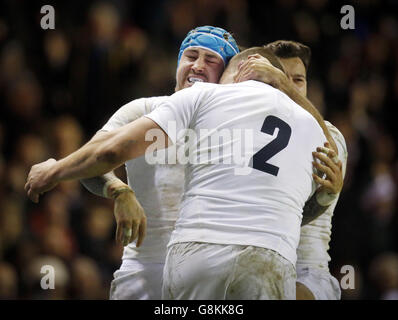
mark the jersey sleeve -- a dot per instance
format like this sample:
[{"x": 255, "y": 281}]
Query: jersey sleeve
[
  {"x": 176, "y": 113},
  {"x": 341, "y": 144},
  {"x": 127, "y": 113}
]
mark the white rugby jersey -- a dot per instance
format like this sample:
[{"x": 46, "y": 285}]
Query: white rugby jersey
[
  {"x": 264, "y": 207},
  {"x": 158, "y": 188},
  {"x": 315, "y": 236}
]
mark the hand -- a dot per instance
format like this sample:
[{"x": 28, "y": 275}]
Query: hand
[
  {"x": 130, "y": 219},
  {"x": 332, "y": 167},
  {"x": 256, "y": 67},
  {"x": 40, "y": 180}
]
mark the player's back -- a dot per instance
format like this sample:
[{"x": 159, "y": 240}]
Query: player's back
[{"x": 258, "y": 200}]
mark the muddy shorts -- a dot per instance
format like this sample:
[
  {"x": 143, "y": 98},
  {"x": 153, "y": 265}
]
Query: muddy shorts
[{"x": 196, "y": 270}]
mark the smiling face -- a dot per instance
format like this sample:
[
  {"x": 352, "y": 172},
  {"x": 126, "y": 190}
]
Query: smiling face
[
  {"x": 198, "y": 64},
  {"x": 295, "y": 70}
]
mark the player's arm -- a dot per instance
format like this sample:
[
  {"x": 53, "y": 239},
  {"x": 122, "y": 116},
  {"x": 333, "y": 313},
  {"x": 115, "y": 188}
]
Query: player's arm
[
  {"x": 256, "y": 67},
  {"x": 129, "y": 214},
  {"x": 127, "y": 209},
  {"x": 312, "y": 210},
  {"x": 98, "y": 185},
  {"x": 330, "y": 186},
  {"x": 100, "y": 155},
  {"x": 126, "y": 114},
  {"x": 107, "y": 151}
]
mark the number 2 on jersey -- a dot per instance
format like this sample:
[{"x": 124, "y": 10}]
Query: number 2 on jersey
[{"x": 260, "y": 159}]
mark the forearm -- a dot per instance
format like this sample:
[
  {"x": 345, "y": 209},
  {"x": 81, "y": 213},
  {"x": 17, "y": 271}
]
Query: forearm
[
  {"x": 312, "y": 210},
  {"x": 97, "y": 157},
  {"x": 105, "y": 152},
  {"x": 286, "y": 87}
]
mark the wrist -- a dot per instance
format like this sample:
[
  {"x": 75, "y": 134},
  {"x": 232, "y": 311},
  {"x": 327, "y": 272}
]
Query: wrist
[
  {"x": 53, "y": 173},
  {"x": 113, "y": 188},
  {"x": 285, "y": 85},
  {"x": 325, "y": 198},
  {"x": 121, "y": 191}
]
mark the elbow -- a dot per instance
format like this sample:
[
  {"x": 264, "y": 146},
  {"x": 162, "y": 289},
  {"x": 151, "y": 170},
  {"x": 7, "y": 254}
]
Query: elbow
[
  {"x": 109, "y": 154},
  {"x": 115, "y": 151}
]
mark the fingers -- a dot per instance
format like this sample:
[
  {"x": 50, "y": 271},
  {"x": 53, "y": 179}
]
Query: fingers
[
  {"x": 333, "y": 182},
  {"x": 324, "y": 169},
  {"x": 38, "y": 181},
  {"x": 247, "y": 69},
  {"x": 254, "y": 56},
  {"x": 329, "y": 152},
  {"x": 141, "y": 232},
  {"x": 126, "y": 236},
  {"x": 119, "y": 234},
  {"x": 136, "y": 225},
  {"x": 123, "y": 232},
  {"x": 131, "y": 220},
  {"x": 326, "y": 160},
  {"x": 257, "y": 56},
  {"x": 242, "y": 69},
  {"x": 127, "y": 232},
  {"x": 27, "y": 185},
  {"x": 243, "y": 76},
  {"x": 123, "y": 235},
  {"x": 323, "y": 182},
  {"x": 33, "y": 196}
]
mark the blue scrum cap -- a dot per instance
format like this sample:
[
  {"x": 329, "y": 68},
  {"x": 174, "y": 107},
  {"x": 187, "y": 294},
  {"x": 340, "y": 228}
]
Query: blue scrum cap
[{"x": 214, "y": 39}]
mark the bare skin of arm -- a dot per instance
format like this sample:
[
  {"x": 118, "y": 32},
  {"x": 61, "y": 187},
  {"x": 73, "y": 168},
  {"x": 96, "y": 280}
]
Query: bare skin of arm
[
  {"x": 303, "y": 293},
  {"x": 100, "y": 155}
]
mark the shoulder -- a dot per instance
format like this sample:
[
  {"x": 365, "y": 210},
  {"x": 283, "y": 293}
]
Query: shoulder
[
  {"x": 202, "y": 88},
  {"x": 152, "y": 102},
  {"x": 125, "y": 114},
  {"x": 200, "y": 91}
]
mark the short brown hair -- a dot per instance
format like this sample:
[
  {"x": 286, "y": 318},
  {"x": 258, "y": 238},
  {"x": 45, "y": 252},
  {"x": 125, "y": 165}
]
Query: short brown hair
[
  {"x": 263, "y": 51},
  {"x": 291, "y": 49}
]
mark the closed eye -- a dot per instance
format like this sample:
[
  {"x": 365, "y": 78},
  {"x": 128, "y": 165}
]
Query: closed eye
[{"x": 211, "y": 61}]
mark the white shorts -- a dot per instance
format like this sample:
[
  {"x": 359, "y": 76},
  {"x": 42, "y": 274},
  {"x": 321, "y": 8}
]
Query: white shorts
[
  {"x": 137, "y": 280},
  {"x": 206, "y": 271},
  {"x": 320, "y": 282}
]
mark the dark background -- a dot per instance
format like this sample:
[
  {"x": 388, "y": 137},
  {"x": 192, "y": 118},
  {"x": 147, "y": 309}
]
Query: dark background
[{"x": 57, "y": 87}]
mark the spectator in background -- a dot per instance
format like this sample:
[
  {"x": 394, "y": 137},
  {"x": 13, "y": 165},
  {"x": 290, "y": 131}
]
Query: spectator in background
[
  {"x": 11, "y": 225},
  {"x": 67, "y": 71},
  {"x": 87, "y": 283},
  {"x": 8, "y": 282},
  {"x": 28, "y": 149},
  {"x": 384, "y": 274},
  {"x": 34, "y": 274}
]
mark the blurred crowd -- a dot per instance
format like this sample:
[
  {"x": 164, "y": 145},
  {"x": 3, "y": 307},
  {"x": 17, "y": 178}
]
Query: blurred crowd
[{"x": 58, "y": 87}]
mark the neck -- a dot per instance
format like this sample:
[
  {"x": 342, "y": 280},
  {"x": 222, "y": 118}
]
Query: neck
[{"x": 227, "y": 77}]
